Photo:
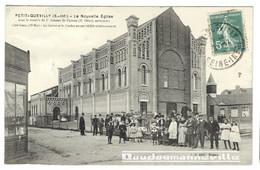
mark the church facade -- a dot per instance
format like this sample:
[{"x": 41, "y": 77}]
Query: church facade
[{"x": 155, "y": 67}]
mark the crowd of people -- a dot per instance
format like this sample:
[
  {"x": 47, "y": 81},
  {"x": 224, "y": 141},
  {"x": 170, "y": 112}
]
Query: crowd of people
[{"x": 182, "y": 129}]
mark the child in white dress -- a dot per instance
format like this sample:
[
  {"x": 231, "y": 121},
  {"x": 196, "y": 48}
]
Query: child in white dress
[
  {"x": 225, "y": 133},
  {"x": 133, "y": 132},
  {"x": 235, "y": 136}
]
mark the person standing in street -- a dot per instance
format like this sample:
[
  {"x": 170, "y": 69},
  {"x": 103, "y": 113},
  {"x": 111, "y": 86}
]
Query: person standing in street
[
  {"x": 100, "y": 124},
  {"x": 123, "y": 118},
  {"x": 185, "y": 111},
  {"x": 107, "y": 121},
  {"x": 82, "y": 125},
  {"x": 173, "y": 133},
  {"x": 201, "y": 126},
  {"x": 190, "y": 131},
  {"x": 95, "y": 125},
  {"x": 182, "y": 131},
  {"x": 110, "y": 130},
  {"x": 235, "y": 136},
  {"x": 213, "y": 129},
  {"x": 122, "y": 131},
  {"x": 225, "y": 133}
]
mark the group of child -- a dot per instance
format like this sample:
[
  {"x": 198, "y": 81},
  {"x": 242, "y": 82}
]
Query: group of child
[{"x": 230, "y": 132}]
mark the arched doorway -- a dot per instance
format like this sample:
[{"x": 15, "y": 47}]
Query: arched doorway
[
  {"x": 56, "y": 113},
  {"x": 143, "y": 99}
]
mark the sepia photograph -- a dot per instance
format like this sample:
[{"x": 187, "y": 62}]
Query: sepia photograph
[{"x": 103, "y": 85}]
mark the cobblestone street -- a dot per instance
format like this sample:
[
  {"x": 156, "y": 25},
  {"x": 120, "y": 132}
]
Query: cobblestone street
[{"x": 64, "y": 147}]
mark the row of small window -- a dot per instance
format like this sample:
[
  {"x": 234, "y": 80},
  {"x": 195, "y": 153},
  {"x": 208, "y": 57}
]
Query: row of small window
[
  {"x": 144, "y": 32},
  {"x": 143, "y": 71},
  {"x": 118, "y": 45},
  {"x": 143, "y": 50},
  {"x": 34, "y": 110},
  {"x": 103, "y": 52},
  {"x": 195, "y": 60},
  {"x": 103, "y": 62},
  {"x": 76, "y": 74},
  {"x": 234, "y": 111},
  {"x": 90, "y": 68},
  {"x": 120, "y": 56},
  {"x": 194, "y": 44},
  {"x": 66, "y": 91},
  {"x": 104, "y": 78}
]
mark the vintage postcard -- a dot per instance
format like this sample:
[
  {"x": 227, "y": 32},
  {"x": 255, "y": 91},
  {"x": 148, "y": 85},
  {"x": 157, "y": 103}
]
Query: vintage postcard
[{"x": 128, "y": 85}]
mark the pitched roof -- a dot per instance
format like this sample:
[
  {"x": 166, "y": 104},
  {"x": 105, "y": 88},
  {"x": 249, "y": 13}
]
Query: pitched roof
[
  {"x": 211, "y": 80},
  {"x": 238, "y": 90},
  {"x": 234, "y": 99}
]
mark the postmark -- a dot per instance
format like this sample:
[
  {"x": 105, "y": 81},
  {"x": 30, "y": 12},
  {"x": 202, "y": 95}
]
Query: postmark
[{"x": 228, "y": 43}]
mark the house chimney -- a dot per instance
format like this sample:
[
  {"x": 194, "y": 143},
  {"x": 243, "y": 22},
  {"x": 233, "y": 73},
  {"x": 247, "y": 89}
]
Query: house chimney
[{"x": 237, "y": 87}]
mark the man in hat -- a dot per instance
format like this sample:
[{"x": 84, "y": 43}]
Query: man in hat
[
  {"x": 201, "y": 126},
  {"x": 173, "y": 114},
  {"x": 178, "y": 120},
  {"x": 95, "y": 125},
  {"x": 108, "y": 118},
  {"x": 190, "y": 131},
  {"x": 157, "y": 118},
  {"x": 123, "y": 117},
  {"x": 110, "y": 130},
  {"x": 213, "y": 129},
  {"x": 161, "y": 121},
  {"x": 122, "y": 131},
  {"x": 185, "y": 111},
  {"x": 82, "y": 125},
  {"x": 221, "y": 117},
  {"x": 100, "y": 124}
]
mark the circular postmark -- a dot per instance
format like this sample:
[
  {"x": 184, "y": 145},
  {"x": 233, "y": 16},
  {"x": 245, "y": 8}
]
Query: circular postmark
[{"x": 227, "y": 43}]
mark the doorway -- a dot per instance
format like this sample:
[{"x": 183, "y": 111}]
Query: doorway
[
  {"x": 56, "y": 113},
  {"x": 170, "y": 107},
  {"x": 143, "y": 107}
]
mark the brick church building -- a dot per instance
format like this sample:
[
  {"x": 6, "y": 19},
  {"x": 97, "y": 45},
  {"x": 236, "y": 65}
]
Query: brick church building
[{"x": 158, "y": 66}]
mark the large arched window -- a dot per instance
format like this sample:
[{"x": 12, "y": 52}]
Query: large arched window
[
  {"x": 103, "y": 81},
  {"x": 195, "y": 81},
  {"x": 89, "y": 85},
  {"x": 119, "y": 77},
  {"x": 125, "y": 76},
  {"x": 143, "y": 75}
]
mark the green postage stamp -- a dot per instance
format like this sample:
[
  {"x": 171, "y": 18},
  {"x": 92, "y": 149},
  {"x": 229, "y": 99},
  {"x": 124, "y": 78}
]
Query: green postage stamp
[
  {"x": 227, "y": 37},
  {"x": 227, "y": 32}
]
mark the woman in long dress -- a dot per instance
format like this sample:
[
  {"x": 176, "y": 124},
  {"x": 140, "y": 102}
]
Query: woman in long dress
[
  {"x": 139, "y": 134},
  {"x": 173, "y": 132},
  {"x": 225, "y": 133},
  {"x": 235, "y": 136},
  {"x": 133, "y": 131},
  {"x": 182, "y": 132}
]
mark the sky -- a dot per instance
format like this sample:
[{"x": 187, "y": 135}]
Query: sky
[{"x": 51, "y": 48}]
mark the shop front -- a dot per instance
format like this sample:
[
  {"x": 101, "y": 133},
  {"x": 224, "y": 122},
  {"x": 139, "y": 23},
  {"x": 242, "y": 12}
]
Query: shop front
[{"x": 17, "y": 67}]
